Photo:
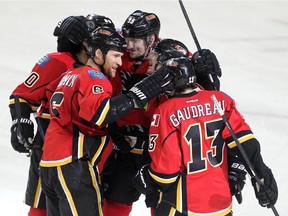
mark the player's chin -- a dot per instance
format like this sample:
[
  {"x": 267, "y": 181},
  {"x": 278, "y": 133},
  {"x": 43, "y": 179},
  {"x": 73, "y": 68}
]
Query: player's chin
[
  {"x": 113, "y": 72},
  {"x": 134, "y": 54}
]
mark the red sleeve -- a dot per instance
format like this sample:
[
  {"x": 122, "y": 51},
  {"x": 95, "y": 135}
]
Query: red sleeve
[
  {"x": 96, "y": 89},
  {"x": 47, "y": 69}
]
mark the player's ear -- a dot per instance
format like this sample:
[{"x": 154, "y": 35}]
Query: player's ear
[
  {"x": 99, "y": 56},
  {"x": 151, "y": 39}
]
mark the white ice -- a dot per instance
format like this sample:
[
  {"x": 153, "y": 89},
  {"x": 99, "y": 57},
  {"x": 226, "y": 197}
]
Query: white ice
[{"x": 250, "y": 39}]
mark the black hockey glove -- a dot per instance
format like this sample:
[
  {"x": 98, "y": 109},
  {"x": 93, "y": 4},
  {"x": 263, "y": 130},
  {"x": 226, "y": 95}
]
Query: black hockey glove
[
  {"x": 22, "y": 132},
  {"x": 150, "y": 87},
  {"x": 22, "y": 138},
  {"x": 122, "y": 143},
  {"x": 236, "y": 177},
  {"x": 266, "y": 194},
  {"x": 205, "y": 63},
  {"x": 136, "y": 135},
  {"x": 140, "y": 180},
  {"x": 119, "y": 140},
  {"x": 74, "y": 28},
  {"x": 136, "y": 130}
]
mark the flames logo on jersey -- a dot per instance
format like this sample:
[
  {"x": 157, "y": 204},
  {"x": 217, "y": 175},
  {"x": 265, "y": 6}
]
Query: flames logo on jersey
[{"x": 96, "y": 89}]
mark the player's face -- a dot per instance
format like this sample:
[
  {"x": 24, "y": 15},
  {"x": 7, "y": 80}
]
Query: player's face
[
  {"x": 153, "y": 63},
  {"x": 112, "y": 62},
  {"x": 136, "y": 47}
]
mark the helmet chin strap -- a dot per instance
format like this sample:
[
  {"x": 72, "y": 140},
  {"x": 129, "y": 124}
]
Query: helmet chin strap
[
  {"x": 149, "y": 41},
  {"x": 147, "y": 50}
]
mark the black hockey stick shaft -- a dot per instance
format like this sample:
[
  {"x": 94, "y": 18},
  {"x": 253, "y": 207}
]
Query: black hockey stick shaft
[
  {"x": 39, "y": 125},
  {"x": 189, "y": 25},
  {"x": 19, "y": 126},
  {"x": 194, "y": 35},
  {"x": 241, "y": 149}
]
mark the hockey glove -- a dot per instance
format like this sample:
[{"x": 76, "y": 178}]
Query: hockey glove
[
  {"x": 139, "y": 181},
  {"x": 22, "y": 138},
  {"x": 119, "y": 141},
  {"x": 266, "y": 194},
  {"x": 236, "y": 177},
  {"x": 133, "y": 130},
  {"x": 205, "y": 63},
  {"x": 136, "y": 135},
  {"x": 122, "y": 143},
  {"x": 74, "y": 28},
  {"x": 150, "y": 87}
]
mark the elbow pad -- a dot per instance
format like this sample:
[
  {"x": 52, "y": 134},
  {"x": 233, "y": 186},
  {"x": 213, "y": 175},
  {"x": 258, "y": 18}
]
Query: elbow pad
[{"x": 119, "y": 106}]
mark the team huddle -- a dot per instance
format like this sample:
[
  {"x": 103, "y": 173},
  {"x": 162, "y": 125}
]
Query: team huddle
[{"x": 123, "y": 112}]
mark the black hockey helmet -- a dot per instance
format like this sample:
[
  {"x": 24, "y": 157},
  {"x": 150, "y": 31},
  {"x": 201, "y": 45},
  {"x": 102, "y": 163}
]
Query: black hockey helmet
[
  {"x": 169, "y": 48},
  {"x": 95, "y": 21},
  {"x": 105, "y": 39},
  {"x": 183, "y": 73},
  {"x": 141, "y": 25},
  {"x": 74, "y": 28},
  {"x": 71, "y": 32}
]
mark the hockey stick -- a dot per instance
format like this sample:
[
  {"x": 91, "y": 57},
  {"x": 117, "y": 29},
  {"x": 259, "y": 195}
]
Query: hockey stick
[
  {"x": 241, "y": 149},
  {"x": 39, "y": 125},
  {"x": 194, "y": 35},
  {"x": 19, "y": 126}
]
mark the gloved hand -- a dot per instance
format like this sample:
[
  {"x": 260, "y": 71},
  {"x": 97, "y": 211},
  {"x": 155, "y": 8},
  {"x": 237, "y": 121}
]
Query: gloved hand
[
  {"x": 21, "y": 140},
  {"x": 140, "y": 180},
  {"x": 119, "y": 141},
  {"x": 136, "y": 130},
  {"x": 205, "y": 63},
  {"x": 74, "y": 28},
  {"x": 150, "y": 87},
  {"x": 236, "y": 177},
  {"x": 122, "y": 143},
  {"x": 136, "y": 135},
  {"x": 266, "y": 194},
  {"x": 127, "y": 137}
]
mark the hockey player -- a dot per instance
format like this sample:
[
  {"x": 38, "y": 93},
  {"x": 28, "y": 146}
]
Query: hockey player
[
  {"x": 81, "y": 107},
  {"x": 188, "y": 144},
  {"x": 141, "y": 30},
  {"x": 32, "y": 93},
  {"x": 71, "y": 32},
  {"x": 162, "y": 51}
]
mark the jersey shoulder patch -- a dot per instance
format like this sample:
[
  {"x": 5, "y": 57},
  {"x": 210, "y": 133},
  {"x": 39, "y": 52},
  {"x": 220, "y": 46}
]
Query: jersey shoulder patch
[
  {"x": 96, "y": 74},
  {"x": 43, "y": 61}
]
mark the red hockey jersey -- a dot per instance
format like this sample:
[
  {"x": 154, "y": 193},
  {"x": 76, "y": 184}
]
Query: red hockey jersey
[
  {"x": 78, "y": 107},
  {"x": 47, "y": 69},
  {"x": 188, "y": 144}
]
